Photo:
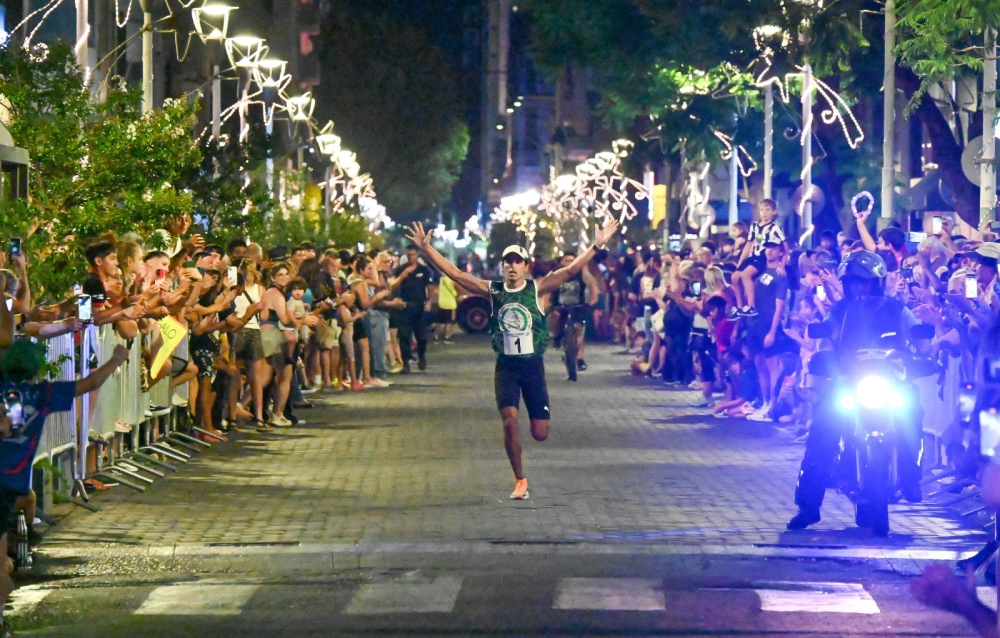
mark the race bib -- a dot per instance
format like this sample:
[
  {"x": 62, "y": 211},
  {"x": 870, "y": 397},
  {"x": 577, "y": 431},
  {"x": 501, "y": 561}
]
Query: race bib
[{"x": 515, "y": 343}]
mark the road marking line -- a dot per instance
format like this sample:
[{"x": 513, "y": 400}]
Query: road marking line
[
  {"x": 841, "y": 598},
  {"x": 618, "y": 594},
  {"x": 24, "y": 600},
  {"x": 434, "y": 596},
  {"x": 197, "y": 599}
]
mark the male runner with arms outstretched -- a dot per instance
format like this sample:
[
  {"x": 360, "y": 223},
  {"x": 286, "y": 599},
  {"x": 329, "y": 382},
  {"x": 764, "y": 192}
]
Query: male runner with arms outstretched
[{"x": 520, "y": 334}]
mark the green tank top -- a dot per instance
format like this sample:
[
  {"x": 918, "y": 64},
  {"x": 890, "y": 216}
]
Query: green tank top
[{"x": 518, "y": 326}]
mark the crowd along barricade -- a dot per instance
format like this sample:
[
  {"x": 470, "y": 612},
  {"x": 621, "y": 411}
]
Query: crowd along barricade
[{"x": 116, "y": 419}]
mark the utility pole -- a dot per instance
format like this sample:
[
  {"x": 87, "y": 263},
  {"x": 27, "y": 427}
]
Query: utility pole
[
  {"x": 988, "y": 176},
  {"x": 889, "y": 111},
  {"x": 147, "y": 56}
]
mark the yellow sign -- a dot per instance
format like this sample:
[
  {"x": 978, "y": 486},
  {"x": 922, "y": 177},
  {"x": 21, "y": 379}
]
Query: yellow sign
[
  {"x": 173, "y": 333},
  {"x": 659, "y": 204}
]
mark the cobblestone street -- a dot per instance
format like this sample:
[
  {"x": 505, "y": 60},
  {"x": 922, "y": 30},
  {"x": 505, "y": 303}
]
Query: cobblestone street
[
  {"x": 387, "y": 514},
  {"x": 423, "y": 461}
]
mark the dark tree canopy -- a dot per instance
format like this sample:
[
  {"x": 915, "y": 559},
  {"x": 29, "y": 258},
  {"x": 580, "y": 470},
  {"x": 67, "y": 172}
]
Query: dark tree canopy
[{"x": 393, "y": 99}]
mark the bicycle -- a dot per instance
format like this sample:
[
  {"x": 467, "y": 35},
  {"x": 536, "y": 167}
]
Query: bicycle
[{"x": 572, "y": 325}]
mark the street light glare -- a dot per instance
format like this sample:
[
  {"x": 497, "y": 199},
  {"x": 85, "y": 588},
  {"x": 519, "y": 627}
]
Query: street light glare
[{"x": 217, "y": 9}]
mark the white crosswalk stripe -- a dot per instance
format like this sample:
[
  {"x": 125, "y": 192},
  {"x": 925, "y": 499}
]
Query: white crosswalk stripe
[
  {"x": 197, "y": 599},
  {"x": 435, "y": 595},
  {"x": 844, "y": 598},
  {"x": 24, "y": 600},
  {"x": 617, "y": 594}
]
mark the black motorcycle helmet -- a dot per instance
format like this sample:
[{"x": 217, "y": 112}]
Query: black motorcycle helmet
[{"x": 866, "y": 266}]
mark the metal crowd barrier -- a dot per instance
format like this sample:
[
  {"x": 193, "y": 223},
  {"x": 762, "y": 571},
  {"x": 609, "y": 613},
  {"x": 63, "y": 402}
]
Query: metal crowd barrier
[{"x": 116, "y": 421}]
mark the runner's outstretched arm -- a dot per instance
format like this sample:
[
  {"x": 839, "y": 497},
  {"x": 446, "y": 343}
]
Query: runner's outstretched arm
[
  {"x": 553, "y": 280},
  {"x": 422, "y": 239}
]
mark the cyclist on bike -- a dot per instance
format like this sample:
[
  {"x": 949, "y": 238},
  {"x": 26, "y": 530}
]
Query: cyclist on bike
[{"x": 569, "y": 305}]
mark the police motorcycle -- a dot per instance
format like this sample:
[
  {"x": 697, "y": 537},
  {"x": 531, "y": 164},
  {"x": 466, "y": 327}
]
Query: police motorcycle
[
  {"x": 866, "y": 400},
  {"x": 872, "y": 397}
]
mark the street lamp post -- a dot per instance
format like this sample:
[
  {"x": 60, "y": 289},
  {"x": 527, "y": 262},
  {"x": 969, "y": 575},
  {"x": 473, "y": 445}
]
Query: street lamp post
[
  {"x": 806, "y": 204},
  {"x": 270, "y": 75}
]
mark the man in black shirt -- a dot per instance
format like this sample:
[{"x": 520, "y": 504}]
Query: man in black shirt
[{"x": 413, "y": 318}]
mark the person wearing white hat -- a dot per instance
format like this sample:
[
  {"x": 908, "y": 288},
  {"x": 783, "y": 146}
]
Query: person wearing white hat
[{"x": 520, "y": 334}]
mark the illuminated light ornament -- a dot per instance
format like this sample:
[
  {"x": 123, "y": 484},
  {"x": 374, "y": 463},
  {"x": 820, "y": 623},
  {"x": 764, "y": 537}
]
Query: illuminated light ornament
[
  {"x": 854, "y": 204},
  {"x": 836, "y": 111},
  {"x": 269, "y": 73},
  {"x": 244, "y": 51},
  {"x": 211, "y": 21},
  {"x": 596, "y": 189},
  {"x": 328, "y": 141},
  {"x": 300, "y": 107},
  {"x": 746, "y": 169}
]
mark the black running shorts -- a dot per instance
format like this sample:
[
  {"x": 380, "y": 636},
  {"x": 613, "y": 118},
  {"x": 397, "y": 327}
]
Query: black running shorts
[{"x": 522, "y": 376}]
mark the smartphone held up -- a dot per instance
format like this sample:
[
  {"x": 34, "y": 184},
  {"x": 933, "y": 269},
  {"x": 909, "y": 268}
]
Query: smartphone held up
[
  {"x": 84, "y": 308},
  {"x": 971, "y": 286}
]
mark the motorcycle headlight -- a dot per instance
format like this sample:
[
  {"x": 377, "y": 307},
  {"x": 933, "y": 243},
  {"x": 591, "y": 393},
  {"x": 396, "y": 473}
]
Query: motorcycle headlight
[
  {"x": 875, "y": 393},
  {"x": 847, "y": 402}
]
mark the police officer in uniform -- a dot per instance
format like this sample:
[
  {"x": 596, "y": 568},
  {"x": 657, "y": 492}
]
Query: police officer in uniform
[
  {"x": 519, "y": 334},
  {"x": 864, "y": 320}
]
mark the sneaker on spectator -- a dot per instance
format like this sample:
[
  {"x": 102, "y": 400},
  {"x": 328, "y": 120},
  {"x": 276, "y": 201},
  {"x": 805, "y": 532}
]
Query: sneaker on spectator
[
  {"x": 581, "y": 365},
  {"x": 694, "y": 385},
  {"x": 375, "y": 382},
  {"x": 309, "y": 389},
  {"x": 750, "y": 311},
  {"x": 763, "y": 414},
  {"x": 179, "y": 401},
  {"x": 396, "y": 368},
  {"x": 302, "y": 405},
  {"x": 279, "y": 421},
  {"x": 705, "y": 403},
  {"x": 735, "y": 313},
  {"x": 356, "y": 385}
]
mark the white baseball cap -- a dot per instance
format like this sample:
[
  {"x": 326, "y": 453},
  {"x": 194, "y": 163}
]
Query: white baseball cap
[{"x": 514, "y": 249}]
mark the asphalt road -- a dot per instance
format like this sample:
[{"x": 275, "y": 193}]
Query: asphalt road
[{"x": 387, "y": 515}]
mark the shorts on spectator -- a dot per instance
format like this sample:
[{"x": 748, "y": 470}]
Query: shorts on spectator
[
  {"x": 205, "y": 360},
  {"x": 247, "y": 345},
  {"x": 444, "y": 316},
  {"x": 759, "y": 262},
  {"x": 177, "y": 366},
  {"x": 7, "y": 518}
]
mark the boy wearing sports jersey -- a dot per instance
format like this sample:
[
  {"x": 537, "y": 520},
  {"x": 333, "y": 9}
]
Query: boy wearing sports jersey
[
  {"x": 520, "y": 334},
  {"x": 752, "y": 259}
]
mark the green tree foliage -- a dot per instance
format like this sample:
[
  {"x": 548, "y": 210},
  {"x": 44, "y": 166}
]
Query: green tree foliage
[
  {"x": 394, "y": 101},
  {"x": 230, "y": 193},
  {"x": 940, "y": 39},
  {"x": 94, "y": 166}
]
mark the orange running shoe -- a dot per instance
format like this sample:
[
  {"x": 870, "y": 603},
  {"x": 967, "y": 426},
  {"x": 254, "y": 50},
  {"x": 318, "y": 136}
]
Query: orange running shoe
[{"x": 520, "y": 492}]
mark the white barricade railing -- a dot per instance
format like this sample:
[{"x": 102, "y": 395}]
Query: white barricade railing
[
  {"x": 108, "y": 408},
  {"x": 120, "y": 399},
  {"x": 59, "y": 433}
]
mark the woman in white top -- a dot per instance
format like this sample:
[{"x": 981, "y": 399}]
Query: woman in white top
[{"x": 247, "y": 345}]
